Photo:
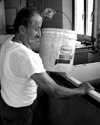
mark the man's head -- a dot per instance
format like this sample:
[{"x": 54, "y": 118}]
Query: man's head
[
  {"x": 24, "y": 17},
  {"x": 28, "y": 24}
]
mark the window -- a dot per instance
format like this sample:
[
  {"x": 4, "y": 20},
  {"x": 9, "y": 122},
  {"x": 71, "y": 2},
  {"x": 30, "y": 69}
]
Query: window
[{"x": 83, "y": 16}]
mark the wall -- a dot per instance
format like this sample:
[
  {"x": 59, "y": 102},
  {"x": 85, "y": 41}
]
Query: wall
[
  {"x": 99, "y": 14},
  {"x": 59, "y": 20},
  {"x": 11, "y": 9},
  {"x": 63, "y": 17},
  {"x": 2, "y": 17},
  {"x": 67, "y": 9},
  {"x": 56, "y": 21}
]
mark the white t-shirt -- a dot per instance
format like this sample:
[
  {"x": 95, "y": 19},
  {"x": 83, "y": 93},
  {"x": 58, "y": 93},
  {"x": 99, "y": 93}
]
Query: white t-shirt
[{"x": 17, "y": 64}]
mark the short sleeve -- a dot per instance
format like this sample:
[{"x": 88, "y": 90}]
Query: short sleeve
[{"x": 32, "y": 65}]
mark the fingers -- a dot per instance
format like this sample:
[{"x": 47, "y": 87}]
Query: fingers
[
  {"x": 48, "y": 13},
  {"x": 86, "y": 86},
  {"x": 49, "y": 10}
]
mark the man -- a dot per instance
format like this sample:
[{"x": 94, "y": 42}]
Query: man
[{"x": 22, "y": 71}]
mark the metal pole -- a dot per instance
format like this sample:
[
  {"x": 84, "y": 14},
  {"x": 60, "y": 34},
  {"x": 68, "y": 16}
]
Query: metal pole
[{"x": 95, "y": 17}]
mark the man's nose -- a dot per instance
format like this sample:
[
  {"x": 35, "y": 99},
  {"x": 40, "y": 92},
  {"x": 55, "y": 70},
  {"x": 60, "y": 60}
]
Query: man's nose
[{"x": 39, "y": 33}]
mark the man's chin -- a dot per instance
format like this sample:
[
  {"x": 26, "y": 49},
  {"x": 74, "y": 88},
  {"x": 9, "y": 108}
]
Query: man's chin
[{"x": 35, "y": 46}]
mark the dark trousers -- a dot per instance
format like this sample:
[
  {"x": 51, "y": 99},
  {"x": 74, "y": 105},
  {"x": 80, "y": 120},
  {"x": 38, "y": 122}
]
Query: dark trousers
[{"x": 18, "y": 116}]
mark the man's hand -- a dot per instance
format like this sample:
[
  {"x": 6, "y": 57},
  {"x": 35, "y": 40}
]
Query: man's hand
[
  {"x": 48, "y": 13},
  {"x": 86, "y": 87}
]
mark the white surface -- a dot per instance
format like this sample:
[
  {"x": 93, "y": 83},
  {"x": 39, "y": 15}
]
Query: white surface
[{"x": 86, "y": 72}]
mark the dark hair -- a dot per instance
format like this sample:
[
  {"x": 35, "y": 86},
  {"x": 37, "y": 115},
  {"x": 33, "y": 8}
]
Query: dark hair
[{"x": 24, "y": 16}]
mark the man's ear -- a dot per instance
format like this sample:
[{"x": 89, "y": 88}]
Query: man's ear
[{"x": 22, "y": 29}]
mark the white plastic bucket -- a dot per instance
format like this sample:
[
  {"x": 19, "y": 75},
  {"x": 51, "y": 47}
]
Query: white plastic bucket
[{"x": 57, "y": 49}]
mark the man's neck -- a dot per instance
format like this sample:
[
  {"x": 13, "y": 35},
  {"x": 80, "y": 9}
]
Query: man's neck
[{"x": 20, "y": 39}]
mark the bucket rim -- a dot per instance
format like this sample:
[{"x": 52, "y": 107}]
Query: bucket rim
[{"x": 59, "y": 29}]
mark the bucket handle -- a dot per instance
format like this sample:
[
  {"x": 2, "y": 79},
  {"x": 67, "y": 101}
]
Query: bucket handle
[{"x": 57, "y": 11}]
